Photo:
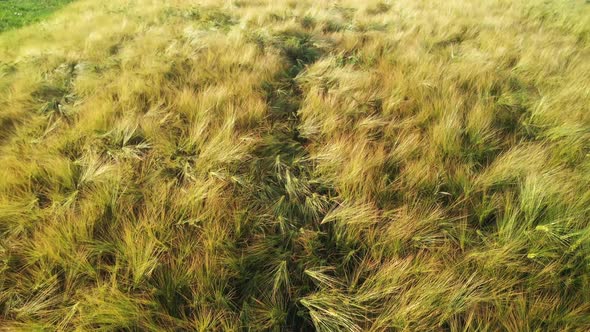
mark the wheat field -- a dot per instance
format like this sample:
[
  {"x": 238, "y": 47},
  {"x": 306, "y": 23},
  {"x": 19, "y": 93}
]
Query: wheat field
[{"x": 282, "y": 165}]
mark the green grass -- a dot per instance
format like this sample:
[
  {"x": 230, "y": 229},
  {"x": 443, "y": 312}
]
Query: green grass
[
  {"x": 17, "y": 13},
  {"x": 277, "y": 165}
]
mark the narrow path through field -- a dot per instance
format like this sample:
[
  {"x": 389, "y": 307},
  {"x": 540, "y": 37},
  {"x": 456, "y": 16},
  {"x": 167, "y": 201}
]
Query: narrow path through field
[{"x": 287, "y": 196}]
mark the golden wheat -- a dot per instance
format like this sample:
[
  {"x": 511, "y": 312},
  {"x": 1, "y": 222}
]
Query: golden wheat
[{"x": 295, "y": 165}]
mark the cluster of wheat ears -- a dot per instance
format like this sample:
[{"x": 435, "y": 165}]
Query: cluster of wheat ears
[{"x": 256, "y": 165}]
